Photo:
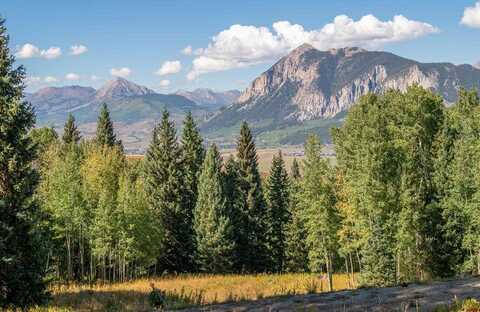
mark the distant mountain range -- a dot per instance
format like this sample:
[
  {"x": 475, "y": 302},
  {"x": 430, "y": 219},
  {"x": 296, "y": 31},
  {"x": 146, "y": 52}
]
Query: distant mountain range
[
  {"x": 209, "y": 98},
  {"x": 133, "y": 108},
  {"x": 309, "y": 90},
  {"x": 306, "y": 91}
]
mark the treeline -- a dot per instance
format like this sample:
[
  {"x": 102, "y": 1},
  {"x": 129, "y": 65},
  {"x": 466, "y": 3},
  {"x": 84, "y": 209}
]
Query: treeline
[{"x": 400, "y": 203}]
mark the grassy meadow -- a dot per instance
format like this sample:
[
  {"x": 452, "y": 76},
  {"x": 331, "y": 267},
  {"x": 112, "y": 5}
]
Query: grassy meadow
[{"x": 187, "y": 290}]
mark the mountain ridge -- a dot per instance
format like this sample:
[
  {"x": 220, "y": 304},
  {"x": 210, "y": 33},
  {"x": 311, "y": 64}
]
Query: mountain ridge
[{"x": 309, "y": 85}]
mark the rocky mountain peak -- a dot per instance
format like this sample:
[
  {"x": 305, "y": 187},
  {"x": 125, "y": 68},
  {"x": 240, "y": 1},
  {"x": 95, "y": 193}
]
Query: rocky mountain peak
[
  {"x": 120, "y": 88},
  {"x": 310, "y": 84}
]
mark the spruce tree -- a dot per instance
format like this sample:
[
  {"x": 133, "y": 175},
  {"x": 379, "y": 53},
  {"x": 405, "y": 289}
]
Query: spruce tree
[
  {"x": 278, "y": 197},
  {"x": 253, "y": 248},
  {"x": 164, "y": 186},
  {"x": 193, "y": 154},
  {"x": 295, "y": 170},
  {"x": 105, "y": 134},
  {"x": 21, "y": 267},
  {"x": 70, "y": 131},
  {"x": 213, "y": 228}
]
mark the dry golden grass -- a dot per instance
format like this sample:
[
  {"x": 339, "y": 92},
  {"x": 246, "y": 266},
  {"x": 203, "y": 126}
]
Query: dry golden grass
[{"x": 187, "y": 290}]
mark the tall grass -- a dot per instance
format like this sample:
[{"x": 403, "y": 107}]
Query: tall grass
[{"x": 186, "y": 291}]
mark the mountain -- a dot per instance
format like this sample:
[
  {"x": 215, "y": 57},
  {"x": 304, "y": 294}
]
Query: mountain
[
  {"x": 133, "y": 108},
  {"x": 120, "y": 88},
  {"x": 309, "y": 89},
  {"x": 49, "y": 101},
  {"x": 477, "y": 65},
  {"x": 209, "y": 98}
]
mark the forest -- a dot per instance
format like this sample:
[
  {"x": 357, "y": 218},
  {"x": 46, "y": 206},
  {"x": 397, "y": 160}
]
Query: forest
[{"x": 400, "y": 203}]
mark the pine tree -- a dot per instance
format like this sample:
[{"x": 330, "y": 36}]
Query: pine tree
[
  {"x": 193, "y": 154},
  {"x": 252, "y": 248},
  {"x": 295, "y": 170},
  {"x": 105, "y": 133},
  {"x": 164, "y": 185},
  {"x": 213, "y": 228},
  {"x": 70, "y": 131},
  {"x": 21, "y": 267},
  {"x": 278, "y": 197}
]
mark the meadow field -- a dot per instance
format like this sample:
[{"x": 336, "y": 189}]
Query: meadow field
[{"x": 185, "y": 291}]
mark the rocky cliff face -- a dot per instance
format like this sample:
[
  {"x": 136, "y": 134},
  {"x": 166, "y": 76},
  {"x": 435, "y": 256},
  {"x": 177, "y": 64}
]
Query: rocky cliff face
[{"x": 310, "y": 84}]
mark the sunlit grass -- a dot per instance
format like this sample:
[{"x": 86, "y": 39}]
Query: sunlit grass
[{"x": 187, "y": 290}]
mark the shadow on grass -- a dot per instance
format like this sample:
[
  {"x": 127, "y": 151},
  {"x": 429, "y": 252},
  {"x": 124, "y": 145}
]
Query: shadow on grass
[{"x": 121, "y": 300}]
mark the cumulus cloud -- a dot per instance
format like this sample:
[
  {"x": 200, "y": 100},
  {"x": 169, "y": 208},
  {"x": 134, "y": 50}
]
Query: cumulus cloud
[
  {"x": 72, "y": 77},
  {"x": 123, "y": 72},
  {"x": 169, "y": 68},
  {"x": 471, "y": 16},
  {"x": 29, "y": 50},
  {"x": 240, "y": 45},
  {"x": 164, "y": 83},
  {"x": 78, "y": 49},
  {"x": 188, "y": 50},
  {"x": 50, "y": 79}
]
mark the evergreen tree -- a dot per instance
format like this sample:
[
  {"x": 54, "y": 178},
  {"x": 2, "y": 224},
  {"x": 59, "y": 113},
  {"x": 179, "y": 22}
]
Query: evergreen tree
[
  {"x": 193, "y": 154},
  {"x": 213, "y": 229},
  {"x": 21, "y": 267},
  {"x": 105, "y": 133},
  {"x": 295, "y": 170},
  {"x": 278, "y": 197},
  {"x": 252, "y": 246},
  {"x": 296, "y": 252},
  {"x": 317, "y": 202},
  {"x": 164, "y": 185},
  {"x": 70, "y": 131},
  {"x": 43, "y": 137}
]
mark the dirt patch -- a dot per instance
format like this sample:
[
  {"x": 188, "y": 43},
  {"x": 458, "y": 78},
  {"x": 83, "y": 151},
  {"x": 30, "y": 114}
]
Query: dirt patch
[{"x": 414, "y": 297}]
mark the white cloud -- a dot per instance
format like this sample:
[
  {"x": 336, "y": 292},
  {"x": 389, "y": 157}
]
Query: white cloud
[
  {"x": 50, "y": 79},
  {"x": 240, "y": 46},
  {"x": 51, "y": 53},
  {"x": 32, "y": 81},
  {"x": 169, "y": 68},
  {"x": 94, "y": 78},
  {"x": 120, "y": 72},
  {"x": 164, "y": 83},
  {"x": 72, "y": 76},
  {"x": 78, "y": 49},
  {"x": 188, "y": 50},
  {"x": 29, "y": 50},
  {"x": 471, "y": 16}
]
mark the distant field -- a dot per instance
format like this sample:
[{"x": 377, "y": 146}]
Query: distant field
[
  {"x": 265, "y": 156},
  {"x": 188, "y": 290}
]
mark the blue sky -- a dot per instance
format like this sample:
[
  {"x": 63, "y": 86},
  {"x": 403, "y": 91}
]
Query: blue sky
[{"x": 134, "y": 38}]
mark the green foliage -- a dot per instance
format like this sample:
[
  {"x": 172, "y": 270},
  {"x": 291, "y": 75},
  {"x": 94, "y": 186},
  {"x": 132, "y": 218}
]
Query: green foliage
[
  {"x": 43, "y": 137},
  {"x": 105, "y": 134},
  {"x": 165, "y": 189},
  {"x": 278, "y": 202},
  {"x": 70, "y": 131},
  {"x": 251, "y": 246},
  {"x": 317, "y": 203},
  {"x": 21, "y": 262},
  {"x": 193, "y": 154},
  {"x": 213, "y": 228}
]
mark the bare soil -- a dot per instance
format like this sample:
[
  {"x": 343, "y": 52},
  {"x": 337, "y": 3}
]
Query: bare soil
[{"x": 414, "y": 297}]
